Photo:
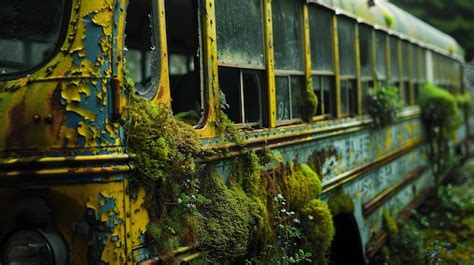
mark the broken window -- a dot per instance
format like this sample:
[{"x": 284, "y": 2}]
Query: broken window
[
  {"x": 142, "y": 56},
  {"x": 242, "y": 88},
  {"x": 185, "y": 64},
  {"x": 30, "y": 33},
  {"x": 240, "y": 56}
]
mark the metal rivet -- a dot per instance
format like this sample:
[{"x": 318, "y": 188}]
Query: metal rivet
[
  {"x": 36, "y": 118},
  {"x": 48, "y": 119}
]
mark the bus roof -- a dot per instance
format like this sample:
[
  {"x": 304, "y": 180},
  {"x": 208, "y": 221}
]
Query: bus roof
[{"x": 386, "y": 16}]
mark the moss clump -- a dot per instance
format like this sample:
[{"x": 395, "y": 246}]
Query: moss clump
[
  {"x": 162, "y": 146},
  {"x": 340, "y": 203},
  {"x": 389, "y": 20},
  {"x": 440, "y": 108},
  {"x": 442, "y": 117},
  {"x": 308, "y": 103},
  {"x": 301, "y": 184},
  {"x": 383, "y": 105},
  {"x": 226, "y": 128},
  {"x": 319, "y": 229},
  {"x": 228, "y": 221}
]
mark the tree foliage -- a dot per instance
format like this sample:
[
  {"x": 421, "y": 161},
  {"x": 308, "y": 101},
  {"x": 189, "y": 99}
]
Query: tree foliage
[{"x": 453, "y": 17}]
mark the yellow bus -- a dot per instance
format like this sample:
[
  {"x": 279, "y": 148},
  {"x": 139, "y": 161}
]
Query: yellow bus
[{"x": 211, "y": 131}]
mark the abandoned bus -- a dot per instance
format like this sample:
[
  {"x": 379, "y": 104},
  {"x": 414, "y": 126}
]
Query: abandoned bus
[{"x": 213, "y": 131}]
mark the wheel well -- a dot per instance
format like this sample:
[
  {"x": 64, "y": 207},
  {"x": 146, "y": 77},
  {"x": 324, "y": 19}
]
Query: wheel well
[{"x": 346, "y": 247}]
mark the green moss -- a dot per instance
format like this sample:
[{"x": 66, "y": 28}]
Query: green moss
[
  {"x": 162, "y": 146},
  {"x": 229, "y": 221},
  {"x": 383, "y": 105},
  {"x": 439, "y": 108},
  {"x": 319, "y": 229},
  {"x": 340, "y": 203},
  {"x": 226, "y": 128},
  {"x": 308, "y": 103},
  {"x": 442, "y": 117},
  {"x": 389, "y": 20},
  {"x": 301, "y": 184}
]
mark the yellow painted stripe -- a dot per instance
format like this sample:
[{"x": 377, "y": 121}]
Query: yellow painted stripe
[{"x": 270, "y": 62}]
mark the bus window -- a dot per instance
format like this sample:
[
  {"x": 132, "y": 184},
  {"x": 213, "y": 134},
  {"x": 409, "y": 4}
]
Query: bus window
[
  {"x": 347, "y": 65},
  {"x": 240, "y": 56},
  {"x": 322, "y": 63},
  {"x": 30, "y": 33},
  {"x": 380, "y": 57},
  {"x": 184, "y": 53},
  {"x": 405, "y": 72},
  {"x": 289, "y": 61},
  {"x": 414, "y": 71},
  {"x": 141, "y": 52},
  {"x": 394, "y": 65},
  {"x": 421, "y": 65},
  {"x": 365, "y": 46}
]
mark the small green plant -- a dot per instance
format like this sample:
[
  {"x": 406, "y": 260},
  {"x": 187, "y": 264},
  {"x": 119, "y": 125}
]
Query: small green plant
[{"x": 383, "y": 104}]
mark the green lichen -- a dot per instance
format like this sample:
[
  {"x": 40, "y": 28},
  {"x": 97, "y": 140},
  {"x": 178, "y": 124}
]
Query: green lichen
[
  {"x": 340, "y": 203},
  {"x": 383, "y": 105},
  {"x": 319, "y": 229},
  {"x": 308, "y": 103}
]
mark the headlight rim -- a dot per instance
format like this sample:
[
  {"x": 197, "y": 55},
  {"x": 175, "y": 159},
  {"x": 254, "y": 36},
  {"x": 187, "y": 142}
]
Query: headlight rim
[{"x": 37, "y": 232}]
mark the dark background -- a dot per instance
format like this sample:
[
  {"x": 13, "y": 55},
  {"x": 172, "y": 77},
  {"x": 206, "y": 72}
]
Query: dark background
[{"x": 454, "y": 17}]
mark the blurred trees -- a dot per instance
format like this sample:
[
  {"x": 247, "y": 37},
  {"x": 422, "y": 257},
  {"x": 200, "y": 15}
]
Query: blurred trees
[{"x": 454, "y": 17}]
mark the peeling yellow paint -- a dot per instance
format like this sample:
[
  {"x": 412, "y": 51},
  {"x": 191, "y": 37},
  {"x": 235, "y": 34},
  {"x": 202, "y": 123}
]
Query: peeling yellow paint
[{"x": 86, "y": 114}]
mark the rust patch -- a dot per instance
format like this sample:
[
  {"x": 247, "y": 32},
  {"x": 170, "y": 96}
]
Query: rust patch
[
  {"x": 58, "y": 112},
  {"x": 16, "y": 132}
]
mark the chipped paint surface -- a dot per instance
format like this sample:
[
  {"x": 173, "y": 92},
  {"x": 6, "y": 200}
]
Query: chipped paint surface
[{"x": 66, "y": 102}]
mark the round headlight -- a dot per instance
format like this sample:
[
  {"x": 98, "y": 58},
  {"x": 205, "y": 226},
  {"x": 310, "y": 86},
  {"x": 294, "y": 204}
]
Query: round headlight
[{"x": 27, "y": 247}]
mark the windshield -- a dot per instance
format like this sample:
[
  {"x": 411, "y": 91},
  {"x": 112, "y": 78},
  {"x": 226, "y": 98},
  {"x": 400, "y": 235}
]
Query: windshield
[{"x": 29, "y": 33}]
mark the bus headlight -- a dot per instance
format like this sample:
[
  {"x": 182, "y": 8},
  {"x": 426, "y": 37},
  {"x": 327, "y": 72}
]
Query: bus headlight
[{"x": 28, "y": 247}]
